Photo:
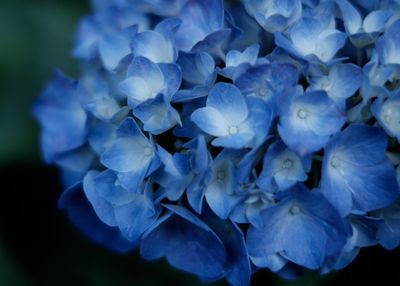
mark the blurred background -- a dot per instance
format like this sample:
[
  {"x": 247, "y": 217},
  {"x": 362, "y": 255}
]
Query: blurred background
[{"x": 38, "y": 246}]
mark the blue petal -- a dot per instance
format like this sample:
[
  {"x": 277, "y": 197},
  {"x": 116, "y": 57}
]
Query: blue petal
[
  {"x": 342, "y": 82},
  {"x": 187, "y": 243},
  {"x": 153, "y": 46},
  {"x": 282, "y": 165},
  {"x": 229, "y": 100},
  {"x": 304, "y": 228},
  {"x": 113, "y": 49},
  {"x": 220, "y": 191},
  {"x": 61, "y": 116},
  {"x": 145, "y": 80},
  {"x": 356, "y": 174},
  {"x": 211, "y": 121},
  {"x": 101, "y": 206},
  {"x": 387, "y": 45},
  {"x": 157, "y": 115},
  {"x": 85, "y": 219},
  {"x": 107, "y": 187},
  {"x": 388, "y": 114},
  {"x": 351, "y": 17},
  {"x": 173, "y": 78},
  {"x": 376, "y": 21},
  {"x": 196, "y": 67},
  {"x": 198, "y": 20},
  {"x": 130, "y": 153},
  {"x": 312, "y": 115},
  {"x": 136, "y": 217},
  {"x": 238, "y": 270}
]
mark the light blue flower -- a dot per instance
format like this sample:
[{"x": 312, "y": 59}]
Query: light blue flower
[
  {"x": 307, "y": 121},
  {"x": 133, "y": 214},
  {"x": 222, "y": 191},
  {"x": 267, "y": 81},
  {"x": 283, "y": 167},
  {"x": 389, "y": 231},
  {"x": 387, "y": 112},
  {"x": 361, "y": 31},
  {"x": 314, "y": 39},
  {"x": 131, "y": 154},
  {"x": 96, "y": 98},
  {"x": 166, "y": 8},
  {"x": 202, "y": 24},
  {"x": 199, "y": 75},
  {"x": 158, "y": 45},
  {"x": 341, "y": 83},
  {"x": 363, "y": 234},
  {"x": 145, "y": 80},
  {"x": 237, "y": 61},
  {"x": 235, "y": 120},
  {"x": 356, "y": 174},
  {"x": 108, "y": 35},
  {"x": 81, "y": 214},
  {"x": 387, "y": 45},
  {"x": 274, "y": 15}
]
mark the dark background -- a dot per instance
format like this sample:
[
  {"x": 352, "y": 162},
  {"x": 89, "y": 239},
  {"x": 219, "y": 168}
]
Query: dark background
[{"x": 38, "y": 246}]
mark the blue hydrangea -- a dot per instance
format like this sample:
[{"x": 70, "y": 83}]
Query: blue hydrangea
[{"x": 229, "y": 137}]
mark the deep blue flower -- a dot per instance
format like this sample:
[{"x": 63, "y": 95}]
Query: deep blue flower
[
  {"x": 283, "y": 168},
  {"x": 195, "y": 127},
  {"x": 81, "y": 213},
  {"x": 341, "y": 83},
  {"x": 222, "y": 191},
  {"x": 356, "y": 174},
  {"x": 187, "y": 242},
  {"x": 198, "y": 72},
  {"x": 267, "y": 81},
  {"x": 303, "y": 227},
  {"x": 202, "y": 25},
  {"x": 116, "y": 206}
]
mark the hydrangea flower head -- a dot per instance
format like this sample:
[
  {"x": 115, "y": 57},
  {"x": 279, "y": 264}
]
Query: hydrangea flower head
[{"x": 232, "y": 137}]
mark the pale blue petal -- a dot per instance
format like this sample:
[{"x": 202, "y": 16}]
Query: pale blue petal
[
  {"x": 229, "y": 100},
  {"x": 376, "y": 21},
  {"x": 154, "y": 47},
  {"x": 103, "y": 208},
  {"x": 113, "y": 49},
  {"x": 211, "y": 121}
]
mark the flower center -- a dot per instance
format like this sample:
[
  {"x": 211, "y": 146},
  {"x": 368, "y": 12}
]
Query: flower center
[
  {"x": 221, "y": 175},
  {"x": 387, "y": 118},
  {"x": 287, "y": 164},
  {"x": 302, "y": 113},
  {"x": 233, "y": 130},
  {"x": 294, "y": 210},
  {"x": 335, "y": 162},
  {"x": 147, "y": 151}
]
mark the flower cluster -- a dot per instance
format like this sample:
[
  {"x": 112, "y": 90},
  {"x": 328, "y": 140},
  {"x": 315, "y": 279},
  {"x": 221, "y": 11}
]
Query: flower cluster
[{"x": 229, "y": 137}]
